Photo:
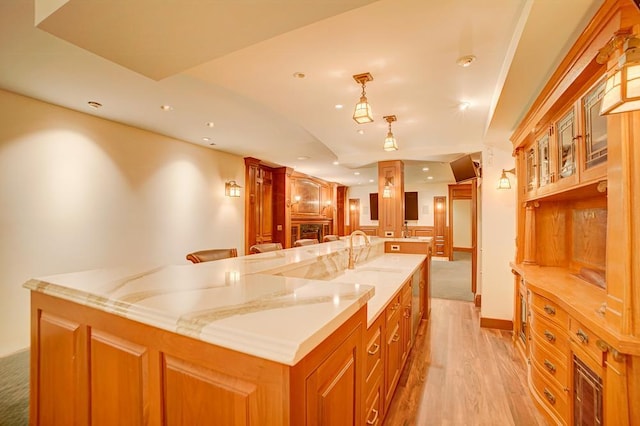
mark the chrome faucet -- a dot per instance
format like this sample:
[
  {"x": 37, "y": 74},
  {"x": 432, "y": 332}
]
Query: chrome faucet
[{"x": 352, "y": 258}]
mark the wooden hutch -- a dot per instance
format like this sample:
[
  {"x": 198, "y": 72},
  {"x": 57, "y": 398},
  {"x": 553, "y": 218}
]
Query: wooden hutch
[
  {"x": 577, "y": 265},
  {"x": 282, "y": 205}
]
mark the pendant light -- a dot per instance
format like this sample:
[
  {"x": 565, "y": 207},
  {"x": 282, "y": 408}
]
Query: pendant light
[
  {"x": 362, "y": 113},
  {"x": 390, "y": 142}
]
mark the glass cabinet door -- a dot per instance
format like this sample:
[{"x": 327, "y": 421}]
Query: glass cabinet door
[
  {"x": 595, "y": 128},
  {"x": 544, "y": 164},
  {"x": 531, "y": 168},
  {"x": 566, "y": 134}
]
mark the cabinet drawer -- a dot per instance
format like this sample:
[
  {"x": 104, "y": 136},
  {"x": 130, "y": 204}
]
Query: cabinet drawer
[
  {"x": 393, "y": 309},
  {"x": 374, "y": 347},
  {"x": 550, "y": 310},
  {"x": 373, "y": 405},
  {"x": 554, "y": 398},
  {"x": 586, "y": 339},
  {"x": 551, "y": 335},
  {"x": 553, "y": 366}
]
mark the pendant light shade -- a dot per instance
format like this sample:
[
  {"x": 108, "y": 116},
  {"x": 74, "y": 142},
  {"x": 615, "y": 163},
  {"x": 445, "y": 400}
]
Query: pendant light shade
[
  {"x": 622, "y": 87},
  {"x": 362, "y": 113},
  {"x": 390, "y": 141}
]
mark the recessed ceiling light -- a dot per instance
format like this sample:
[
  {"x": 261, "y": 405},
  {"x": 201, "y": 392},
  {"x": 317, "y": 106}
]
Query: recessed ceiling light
[
  {"x": 335, "y": 163},
  {"x": 371, "y": 181},
  {"x": 425, "y": 169},
  {"x": 303, "y": 157},
  {"x": 206, "y": 139},
  {"x": 429, "y": 177},
  {"x": 464, "y": 105},
  {"x": 298, "y": 75},
  {"x": 94, "y": 104},
  {"x": 466, "y": 61},
  {"x": 166, "y": 107},
  {"x": 360, "y": 132},
  {"x": 339, "y": 106},
  {"x": 356, "y": 173},
  {"x": 210, "y": 124}
]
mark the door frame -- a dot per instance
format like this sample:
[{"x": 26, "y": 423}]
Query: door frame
[{"x": 466, "y": 191}]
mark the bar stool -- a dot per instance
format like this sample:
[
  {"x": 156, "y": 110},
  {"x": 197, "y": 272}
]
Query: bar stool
[
  {"x": 264, "y": 247},
  {"x": 212, "y": 254},
  {"x": 305, "y": 242}
]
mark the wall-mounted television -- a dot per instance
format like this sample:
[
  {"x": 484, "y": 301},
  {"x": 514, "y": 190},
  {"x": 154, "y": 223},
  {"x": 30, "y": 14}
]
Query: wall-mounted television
[
  {"x": 464, "y": 168},
  {"x": 373, "y": 206},
  {"x": 410, "y": 206}
]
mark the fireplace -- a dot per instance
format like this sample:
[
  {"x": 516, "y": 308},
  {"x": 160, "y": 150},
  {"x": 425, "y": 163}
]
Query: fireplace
[
  {"x": 587, "y": 395},
  {"x": 311, "y": 230}
]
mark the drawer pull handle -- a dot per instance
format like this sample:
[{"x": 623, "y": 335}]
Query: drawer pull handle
[
  {"x": 395, "y": 337},
  {"x": 582, "y": 336},
  {"x": 549, "y": 396},
  {"x": 374, "y": 349},
  {"x": 407, "y": 312},
  {"x": 374, "y": 420},
  {"x": 550, "y": 336},
  {"x": 550, "y": 366},
  {"x": 550, "y": 309}
]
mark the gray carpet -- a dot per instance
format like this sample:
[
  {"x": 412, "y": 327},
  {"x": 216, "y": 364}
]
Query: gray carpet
[
  {"x": 14, "y": 389},
  {"x": 452, "y": 280}
]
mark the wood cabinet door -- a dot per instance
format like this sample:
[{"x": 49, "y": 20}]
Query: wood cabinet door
[
  {"x": 333, "y": 391},
  {"x": 405, "y": 323}
]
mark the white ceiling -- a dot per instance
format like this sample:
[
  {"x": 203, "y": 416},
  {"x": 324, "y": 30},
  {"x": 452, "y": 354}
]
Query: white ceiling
[{"x": 233, "y": 62}]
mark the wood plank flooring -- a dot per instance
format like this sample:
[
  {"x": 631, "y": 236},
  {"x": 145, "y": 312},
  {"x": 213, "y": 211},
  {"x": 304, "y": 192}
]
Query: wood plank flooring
[{"x": 461, "y": 374}]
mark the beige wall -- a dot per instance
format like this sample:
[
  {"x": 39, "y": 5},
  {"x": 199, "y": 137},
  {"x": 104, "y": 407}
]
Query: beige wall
[
  {"x": 498, "y": 235},
  {"x": 78, "y": 192}
]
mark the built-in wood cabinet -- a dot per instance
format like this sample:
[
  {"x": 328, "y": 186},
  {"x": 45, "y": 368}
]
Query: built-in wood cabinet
[
  {"x": 577, "y": 263},
  {"x": 569, "y": 150},
  {"x": 258, "y": 203},
  {"x": 282, "y": 205}
]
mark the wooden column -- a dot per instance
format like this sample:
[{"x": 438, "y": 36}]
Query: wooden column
[
  {"x": 391, "y": 210},
  {"x": 341, "y": 206}
]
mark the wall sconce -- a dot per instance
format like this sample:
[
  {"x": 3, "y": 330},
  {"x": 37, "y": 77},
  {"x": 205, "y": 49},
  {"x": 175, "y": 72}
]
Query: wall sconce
[
  {"x": 296, "y": 200},
  {"x": 622, "y": 87},
  {"x": 388, "y": 187},
  {"x": 362, "y": 113},
  {"x": 390, "y": 141},
  {"x": 232, "y": 189},
  {"x": 504, "y": 182}
]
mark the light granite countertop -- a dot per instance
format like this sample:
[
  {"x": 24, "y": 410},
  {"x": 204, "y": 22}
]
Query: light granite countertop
[{"x": 248, "y": 303}]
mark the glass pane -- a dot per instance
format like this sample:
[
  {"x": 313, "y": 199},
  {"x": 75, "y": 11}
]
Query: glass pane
[
  {"x": 595, "y": 127},
  {"x": 544, "y": 165},
  {"x": 566, "y": 145},
  {"x": 531, "y": 169}
]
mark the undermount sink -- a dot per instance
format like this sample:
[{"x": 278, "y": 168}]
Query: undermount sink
[{"x": 378, "y": 269}]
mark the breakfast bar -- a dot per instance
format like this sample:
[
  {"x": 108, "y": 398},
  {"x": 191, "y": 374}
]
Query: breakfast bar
[{"x": 274, "y": 338}]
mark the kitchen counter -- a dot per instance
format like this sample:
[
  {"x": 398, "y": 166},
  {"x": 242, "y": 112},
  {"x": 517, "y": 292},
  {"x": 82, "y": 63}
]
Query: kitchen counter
[{"x": 247, "y": 304}]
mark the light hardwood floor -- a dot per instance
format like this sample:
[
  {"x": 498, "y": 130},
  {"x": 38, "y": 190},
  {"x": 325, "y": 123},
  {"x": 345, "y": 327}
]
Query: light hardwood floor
[{"x": 461, "y": 374}]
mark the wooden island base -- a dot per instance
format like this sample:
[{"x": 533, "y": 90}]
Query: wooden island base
[{"x": 92, "y": 367}]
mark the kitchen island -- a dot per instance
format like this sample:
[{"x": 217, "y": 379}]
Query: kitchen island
[{"x": 275, "y": 338}]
